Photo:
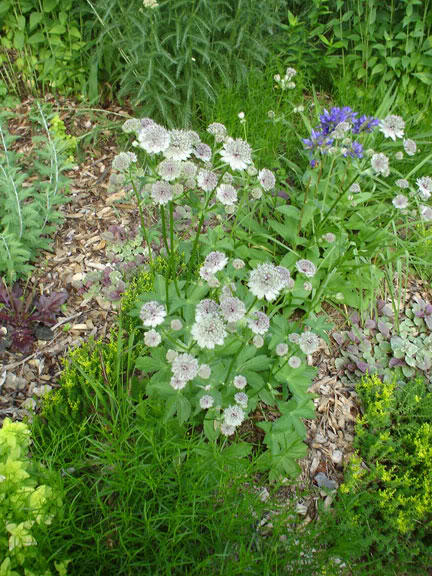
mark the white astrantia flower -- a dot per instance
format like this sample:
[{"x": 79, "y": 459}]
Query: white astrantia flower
[
  {"x": 410, "y": 147},
  {"x": 256, "y": 193},
  {"x": 226, "y": 194},
  {"x": 426, "y": 213},
  {"x": 206, "y": 308},
  {"x": 123, "y": 160},
  {"x": 282, "y": 349},
  {"x": 329, "y": 237},
  {"x": 294, "y": 362},
  {"x": 152, "y": 338},
  {"x": 233, "y": 416},
  {"x": 290, "y": 73},
  {"x": 218, "y": 131},
  {"x": 169, "y": 170},
  {"x": 171, "y": 355},
  {"x": 215, "y": 261},
  {"x": 203, "y": 152},
  {"x": 399, "y": 155},
  {"x": 340, "y": 130},
  {"x": 265, "y": 281},
  {"x": 308, "y": 342},
  {"x": 251, "y": 170},
  {"x": 226, "y": 292},
  {"x": 402, "y": 183},
  {"x": 194, "y": 138},
  {"x": 284, "y": 276},
  {"x": 177, "y": 383},
  {"x": 161, "y": 192},
  {"x": 259, "y": 323},
  {"x": 207, "y": 180},
  {"x": 190, "y": 183},
  {"x": 228, "y": 178},
  {"x": 176, "y": 324},
  {"x": 267, "y": 179},
  {"x": 177, "y": 189},
  {"x": 180, "y": 147},
  {"x": 204, "y": 371},
  {"x": 189, "y": 169},
  {"x": 307, "y": 286},
  {"x": 227, "y": 430},
  {"x": 131, "y": 125},
  {"x": 152, "y": 313},
  {"x": 146, "y": 122},
  {"x": 355, "y": 188},
  {"x": 392, "y": 127},
  {"x": 206, "y": 401},
  {"x": 306, "y": 267},
  {"x": 258, "y": 341},
  {"x": 240, "y": 382},
  {"x": 237, "y": 154},
  {"x": 208, "y": 276},
  {"x": 400, "y": 202},
  {"x": 380, "y": 163},
  {"x": 209, "y": 332},
  {"x": 232, "y": 309},
  {"x": 185, "y": 366},
  {"x": 238, "y": 264},
  {"x": 424, "y": 187},
  {"x": 154, "y": 138},
  {"x": 241, "y": 399},
  {"x": 294, "y": 338}
]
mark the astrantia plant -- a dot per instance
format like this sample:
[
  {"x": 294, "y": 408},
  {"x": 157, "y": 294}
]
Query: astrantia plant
[
  {"x": 204, "y": 185},
  {"x": 219, "y": 351}
]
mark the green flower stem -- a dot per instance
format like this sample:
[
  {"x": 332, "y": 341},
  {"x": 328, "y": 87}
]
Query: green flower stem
[
  {"x": 175, "y": 341},
  {"x": 143, "y": 227},
  {"x": 333, "y": 206},
  {"x": 197, "y": 236},
  {"x": 165, "y": 240},
  {"x": 252, "y": 305},
  {"x": 172, "y": 255}
]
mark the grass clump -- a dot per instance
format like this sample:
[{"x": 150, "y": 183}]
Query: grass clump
[{"x": 142, "y": 495}]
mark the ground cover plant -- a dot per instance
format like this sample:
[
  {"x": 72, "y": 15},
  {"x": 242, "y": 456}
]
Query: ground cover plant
[
  {"x": 385, "y": 498},
  {"x": 29, "y": 503},
  {"x": 391, "y": 344}
]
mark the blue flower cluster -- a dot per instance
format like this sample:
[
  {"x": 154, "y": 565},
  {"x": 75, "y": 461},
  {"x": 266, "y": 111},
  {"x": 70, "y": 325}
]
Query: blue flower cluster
[{"x": 321, "y": 139}]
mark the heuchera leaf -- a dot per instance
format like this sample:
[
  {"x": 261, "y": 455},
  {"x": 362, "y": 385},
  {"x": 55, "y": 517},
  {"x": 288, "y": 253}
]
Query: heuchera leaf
[{"x": 48, "y": 306}]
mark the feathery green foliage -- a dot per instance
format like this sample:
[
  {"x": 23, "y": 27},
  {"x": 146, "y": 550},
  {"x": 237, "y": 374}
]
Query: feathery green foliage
[
  {"x": 167, "y": 57},
  {"x": 32, "y": 189}
]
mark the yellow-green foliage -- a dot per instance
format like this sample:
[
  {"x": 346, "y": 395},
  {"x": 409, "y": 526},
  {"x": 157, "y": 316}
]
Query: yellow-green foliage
[
  {"x": 388, "y": 482},
  {"x": 26, "y": 505},
  {"x": 93, "y": 361},
  {"x": 69, "y": 142}
]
